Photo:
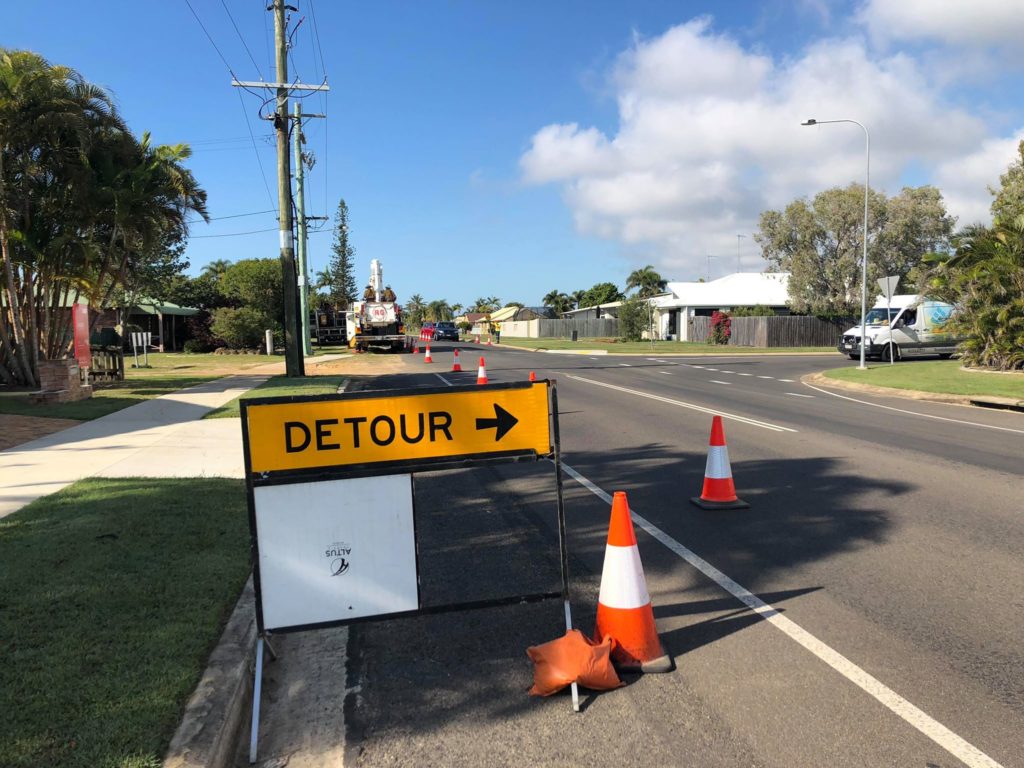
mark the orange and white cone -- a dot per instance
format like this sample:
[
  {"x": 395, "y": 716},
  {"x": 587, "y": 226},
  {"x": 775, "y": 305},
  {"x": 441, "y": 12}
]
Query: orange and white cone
[
  {"x": 533, "y": 376},
  {"x": 427, "y": 358},
  {"x": 415, "y": 348},
  {"x": 456, "y": 366},
  {"x": 719, "y": 492},
  {"x": 481, "y": 373},
  {"x": 624, "y": 609}
]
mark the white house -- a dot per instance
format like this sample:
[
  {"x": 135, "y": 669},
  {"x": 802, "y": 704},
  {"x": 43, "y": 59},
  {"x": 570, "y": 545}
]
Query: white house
[{"x": 742, "y": 289}]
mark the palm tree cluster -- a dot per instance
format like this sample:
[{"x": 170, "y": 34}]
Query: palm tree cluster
[
  {"x": 85, "y": 206},
  {"x": 984, "y": 278},
  {"x": 419, "y": 311},
  {"x": 645, "y": 280}
]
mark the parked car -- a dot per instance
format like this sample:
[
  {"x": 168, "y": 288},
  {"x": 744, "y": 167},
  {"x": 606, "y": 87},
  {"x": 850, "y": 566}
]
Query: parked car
[
  {"x": 910, "y": 326},
  {"x": 446, "y": 330}
]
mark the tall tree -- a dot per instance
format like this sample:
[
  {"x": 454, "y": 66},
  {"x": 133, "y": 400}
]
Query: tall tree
[
  {"x": 646, "y": 281},
  {"x": 85, "y": 206},
  {"x": 821, "y": 243},
  {"x": 578, "y": 298},
  {"x": 216, "y": 268},
  {"x": 558, "y": 301},
  {"x": 414, "y": 310},
  {"x": 1009, "y": 197},
  {"x": 340, "y": 278},
  {"x": 601, "y": 293},
  {"x": 437, "y": 310}
]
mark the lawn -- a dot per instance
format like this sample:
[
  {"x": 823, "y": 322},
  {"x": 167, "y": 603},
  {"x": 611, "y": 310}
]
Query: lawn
[
  {"x": 614, "y": 346},
  {"x": 107, "y": 397},
  {"x": 280, "y": 386},
  {"x": 112, "y": 595},
  {"x": 165, "y": 364},
  {"x": 942, "y": 376}
]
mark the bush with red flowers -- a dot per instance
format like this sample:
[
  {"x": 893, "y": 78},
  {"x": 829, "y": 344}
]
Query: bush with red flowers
[{"x": 721, "y": 328}]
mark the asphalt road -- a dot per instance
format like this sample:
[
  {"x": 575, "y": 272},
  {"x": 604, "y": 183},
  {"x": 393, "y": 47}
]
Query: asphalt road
[{"x": 885, "y": 534}]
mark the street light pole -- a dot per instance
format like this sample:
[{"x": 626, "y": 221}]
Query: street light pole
[{"x": 864, "y": 271}]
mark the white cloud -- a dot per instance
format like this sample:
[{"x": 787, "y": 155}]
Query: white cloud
[
  {"x": 960, "y": 22},
  {"x": 709, "y": 136},
  {"x": 961, "y": 178}
]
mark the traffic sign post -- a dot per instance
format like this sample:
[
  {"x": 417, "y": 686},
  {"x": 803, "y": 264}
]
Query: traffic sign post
[
  {"x": 888, "y": 287},
  {"x": 329, "y": 481}
]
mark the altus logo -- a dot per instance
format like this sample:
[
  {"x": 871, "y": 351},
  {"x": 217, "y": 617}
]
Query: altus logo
[{"x": 337, "y": 555}]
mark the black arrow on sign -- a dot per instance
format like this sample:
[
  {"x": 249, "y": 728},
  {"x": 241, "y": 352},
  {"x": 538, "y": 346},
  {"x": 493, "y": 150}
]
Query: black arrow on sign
[{"x": 503, "y": 421}]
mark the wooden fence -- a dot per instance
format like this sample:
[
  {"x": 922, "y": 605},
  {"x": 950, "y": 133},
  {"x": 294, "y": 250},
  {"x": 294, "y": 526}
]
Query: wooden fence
[
  {"x": 778, "y": 331},
  {"x": 561, "y": 328}
]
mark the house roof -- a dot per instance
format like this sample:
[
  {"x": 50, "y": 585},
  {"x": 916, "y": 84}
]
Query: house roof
[
  {"x": 742, "y": 289},
  {"x": 153, "y": 307},
  {"x": 606, "y": 305},
  {"x": 505, "y": 313}
]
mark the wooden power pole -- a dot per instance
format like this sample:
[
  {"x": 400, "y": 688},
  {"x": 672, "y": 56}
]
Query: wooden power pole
[{"x": 294, "y": 362}]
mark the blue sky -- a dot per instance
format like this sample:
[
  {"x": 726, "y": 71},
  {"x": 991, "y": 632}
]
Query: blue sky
[{"x": 508, "y": 149}]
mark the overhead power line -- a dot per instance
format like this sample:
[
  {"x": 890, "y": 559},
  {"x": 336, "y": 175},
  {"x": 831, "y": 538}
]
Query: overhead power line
[
  {"x": 249, "y": 232},
  {"x": 237, "y": 32}
]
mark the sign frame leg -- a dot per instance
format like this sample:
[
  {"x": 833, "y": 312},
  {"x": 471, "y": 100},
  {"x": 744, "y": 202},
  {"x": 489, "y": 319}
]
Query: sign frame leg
[
  {"x": 562, "y": 548},
  {"x": 257, "y": 688}
]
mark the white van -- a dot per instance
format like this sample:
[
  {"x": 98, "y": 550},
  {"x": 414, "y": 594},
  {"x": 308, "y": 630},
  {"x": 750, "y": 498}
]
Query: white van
[{"x": 915, "y": 323}]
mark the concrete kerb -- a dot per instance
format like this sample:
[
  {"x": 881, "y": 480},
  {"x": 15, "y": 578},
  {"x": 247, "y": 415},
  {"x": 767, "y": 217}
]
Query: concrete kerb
[
  {"x": 217, "y": 710},
  {"x": 984, "y": 401}
]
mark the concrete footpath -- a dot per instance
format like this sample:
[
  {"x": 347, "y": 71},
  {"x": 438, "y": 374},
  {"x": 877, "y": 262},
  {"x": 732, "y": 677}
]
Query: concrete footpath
[{"x": 162, "y": 437}]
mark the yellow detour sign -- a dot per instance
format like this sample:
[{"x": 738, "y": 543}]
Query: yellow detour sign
[{"x": 400, "y": 426}]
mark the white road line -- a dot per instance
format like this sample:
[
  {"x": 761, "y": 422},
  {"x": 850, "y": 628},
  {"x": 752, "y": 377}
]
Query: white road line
[
  {"x": 766, "y": 377},
  {"x": 716, "y": 381},
  {"x": 796, "y": 394},
  {"x": 711, "y": 369},
  {"x": 788, "y": 381},
  {"x": 625, "y": 365},
  {"x": 934, "y": 730},
  {"x": 728, "y": 371},
  {"x": 667, "y": 373},
  {"x": 681, "y": 404},
  {"x": 594, "y": 358},
  {"x": 442, "y": 378},
  {"x": 744, "y": 374},
  {"x": 698, "y": 366},
  {"x": 915, "y": 413}
]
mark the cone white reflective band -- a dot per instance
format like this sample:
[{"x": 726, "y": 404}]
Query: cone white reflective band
[
  {"x": 718, "y": 463},
  {"x": 622, "y": 580}
]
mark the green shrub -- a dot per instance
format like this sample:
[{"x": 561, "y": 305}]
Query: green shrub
[
  {"x": 195, "y": 346},
  {"x": 239, "y": 328},
  {"x": 757, "y": 311},
  {"x": 633, "y": 319}
]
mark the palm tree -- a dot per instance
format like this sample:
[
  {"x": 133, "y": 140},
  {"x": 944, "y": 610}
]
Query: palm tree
[
  {"x": 456, "y": 309},
  {"x": 218, "y": 267},
  {"x": 437, "y": 310},
  {"x": 558, "y": 301},
  {"x": 647, "y": 282},
  {"x": 414, "y": 310},
  {"x": 577, "y": 297},
  {"x": 984, "y": 278}
]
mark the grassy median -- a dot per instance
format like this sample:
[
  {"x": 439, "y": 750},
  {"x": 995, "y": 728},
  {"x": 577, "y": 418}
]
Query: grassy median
[
  {"x": 614, "y": 346},
  {"x": 112, "y": 595},
  {"x": 941, "y": 376}
]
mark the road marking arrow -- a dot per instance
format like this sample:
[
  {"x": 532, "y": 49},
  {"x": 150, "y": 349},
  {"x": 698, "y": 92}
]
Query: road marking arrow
[{"x": 503, "y": 421}]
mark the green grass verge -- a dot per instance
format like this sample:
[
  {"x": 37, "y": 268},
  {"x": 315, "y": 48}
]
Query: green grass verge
[
  {"x": 942, "y": 376},
  {"x": 165, "y": 364},
  {"x": 106, "y": 398},
  {"x": 112, "y": 595},
  {"x": 279, "y": 386},
  {"x": 659, "y": 347}
]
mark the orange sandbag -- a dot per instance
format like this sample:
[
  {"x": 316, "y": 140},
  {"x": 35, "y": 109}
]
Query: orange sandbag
[{"x": 572, "y": 658}]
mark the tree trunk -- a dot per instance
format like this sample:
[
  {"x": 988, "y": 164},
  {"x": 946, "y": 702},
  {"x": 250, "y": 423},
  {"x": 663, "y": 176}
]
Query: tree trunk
[{"x": 24, "y": 370}]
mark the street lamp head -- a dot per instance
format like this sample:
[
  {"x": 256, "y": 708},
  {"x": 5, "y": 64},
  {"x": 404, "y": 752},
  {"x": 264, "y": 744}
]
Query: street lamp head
[{"x": 810, "y": 121}]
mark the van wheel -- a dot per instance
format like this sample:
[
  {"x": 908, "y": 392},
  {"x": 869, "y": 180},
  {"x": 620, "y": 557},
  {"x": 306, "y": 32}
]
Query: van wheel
[
  {"x": 945, "y": 356},
  {"x": 895, "y": 353}
]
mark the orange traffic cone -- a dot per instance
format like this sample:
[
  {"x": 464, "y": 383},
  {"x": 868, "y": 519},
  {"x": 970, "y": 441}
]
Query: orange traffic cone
[
  {"x": 489, "y": 344},
  {"x": 719, "y": 491},
  {"x": 624, "y": 609},
  {"x": 533, "y": 376},
  {"x": 456, "y": 366},
  {"x": 415, "y": 348},
  {"x": 427, "y": 358},
  {"x": 481, "y": 373}
]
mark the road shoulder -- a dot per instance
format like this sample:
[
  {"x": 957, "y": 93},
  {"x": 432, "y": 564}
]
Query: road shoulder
[{"x": 985, "y": 401}]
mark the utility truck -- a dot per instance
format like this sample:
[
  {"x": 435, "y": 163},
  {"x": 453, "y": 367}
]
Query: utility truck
[
  {"x": 916, "y": 326},
  {"x": 376, "y": 321}
]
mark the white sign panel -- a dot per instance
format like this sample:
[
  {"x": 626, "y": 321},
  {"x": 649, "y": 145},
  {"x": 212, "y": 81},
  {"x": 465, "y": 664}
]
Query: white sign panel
[
  {"x": 888, "y": 285},
  {"x": 336, "y": 550}
]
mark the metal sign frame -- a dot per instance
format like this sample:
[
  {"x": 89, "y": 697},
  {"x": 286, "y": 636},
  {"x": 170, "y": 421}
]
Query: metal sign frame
[{"x": 255, "y": 480}]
